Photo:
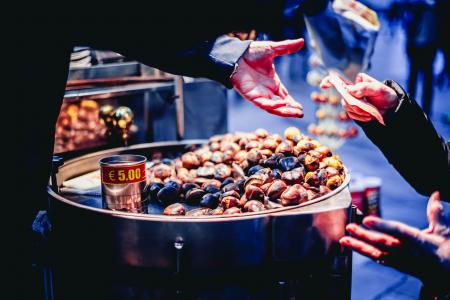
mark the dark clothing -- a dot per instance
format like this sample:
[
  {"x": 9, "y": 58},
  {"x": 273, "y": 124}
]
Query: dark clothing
[
  {"x": 422, "y": 43},
  {"x": 178, "y": 37},
  {"x": 411, "y": 144}
]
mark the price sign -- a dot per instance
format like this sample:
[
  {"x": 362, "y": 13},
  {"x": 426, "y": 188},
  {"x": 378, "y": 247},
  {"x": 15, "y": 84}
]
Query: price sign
[{"x": 123, "y": 174}]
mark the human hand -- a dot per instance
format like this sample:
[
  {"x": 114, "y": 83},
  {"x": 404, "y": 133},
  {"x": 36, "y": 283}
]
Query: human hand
[
  {"x": 369, "y": 89},
  {"x": 424, "y": 254},
  {"x": 256, "y": 80}
]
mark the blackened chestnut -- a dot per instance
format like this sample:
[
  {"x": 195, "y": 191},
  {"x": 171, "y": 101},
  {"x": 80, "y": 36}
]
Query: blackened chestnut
[
  {"x": 253, "y": 170},
  {"x": 194, "y": 196},
  {"x": 288, "y": 163},
  {"x": 173, "y": 184},
  {"x": 167, "y": 195},
  {"x": 175, "y": 209},
  {"x": 210, "y": 200},
  {"x": 189, "y": 185},
  {"x": 276, "y": 174},
  {"x": 154, "y": 189},
  {"x": 211, "y": 189},
  {"x": 227, "y": 181}
]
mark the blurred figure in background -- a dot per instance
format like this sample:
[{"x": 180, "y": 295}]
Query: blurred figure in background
[
  {"x": 443, "y": 13},
  {"x": 421, "y": 45}
]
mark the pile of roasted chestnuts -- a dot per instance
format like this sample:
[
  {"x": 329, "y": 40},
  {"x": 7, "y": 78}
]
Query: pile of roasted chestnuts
[{"x": 245, "y": 172}]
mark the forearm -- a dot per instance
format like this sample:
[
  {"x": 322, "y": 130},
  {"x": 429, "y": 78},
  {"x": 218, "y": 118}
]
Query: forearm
[{"x": 411, "y": 144}]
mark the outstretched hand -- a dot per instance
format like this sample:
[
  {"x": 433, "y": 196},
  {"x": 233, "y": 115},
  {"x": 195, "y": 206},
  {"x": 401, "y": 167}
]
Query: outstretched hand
[
  {"x": 421, "y": 253},
  {"x": 256, "y": 80}
]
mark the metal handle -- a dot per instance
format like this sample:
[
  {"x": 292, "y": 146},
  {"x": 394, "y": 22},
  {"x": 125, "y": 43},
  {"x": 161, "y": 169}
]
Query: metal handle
[{"x": 57, "y": 162}]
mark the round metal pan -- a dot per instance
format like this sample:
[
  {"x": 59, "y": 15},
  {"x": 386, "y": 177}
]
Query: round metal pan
[{"x": 307, "y": 232}]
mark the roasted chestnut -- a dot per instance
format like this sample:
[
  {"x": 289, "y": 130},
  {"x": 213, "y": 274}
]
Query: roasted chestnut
[
  {"x": 210, "y": 200},
  {"x": 254, "y": 156},
  {"x": 311, "y": 162},
  {"x": 229, "y": 201},
  {"x": 230, "y": 193},
  {"x": 312, "y": 179},
  {"x": 206, "y": 172},
  {"x": 294, "y": 176},
  {"x": 256, "y": 179},
  {"x": 322, "y": 175},
  {"x": 214, "y": 146},
  {"x": 194, "y": 196},
  {"x": 232, "y": 211},
  {"x": 334, "y": 181},
  {"x": 253, "y": 206},
  {"x": 190, "y": 160},
  {"x": 198, "y": 212},
  {"x": 261, "y": 133},
  {"x": 252, "y": 145},
  {"x": 270, "y": 144},
  {"x": 175, "y": 209},
  {"x": 276, "y": 189},
  {"x": 240, "y": 156},
  {"x": 292, "y": 133},
  {"x": 334, "y": 162},
  {"x": 162, "y": 171},
  {"x": 213, "y": 182},
  {"x": 222, "y": 171},
  {"x": 272, "y": 161},
  {"x": 230, "y": 146},
  {"x": 217, "y": 211},
  {"x": 284, "y": 148},
  {"x": 324, "y": 151},
  {"x": 254, "y": 193},
  {"x": 294, "y": 195},
  {"x": 167, "y": 195},
  {"x": 288, "y": 163},
  {"x": 217, "y": 157}
]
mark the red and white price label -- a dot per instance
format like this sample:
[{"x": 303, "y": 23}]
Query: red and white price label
[{"x": 123, "y": 174}]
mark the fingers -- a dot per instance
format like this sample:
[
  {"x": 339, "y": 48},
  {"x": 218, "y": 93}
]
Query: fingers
[
  {"x": 286, "y": 46},
  {"x": 287, "y": 111},
  {"x": 362, "y": 248},
  {"x": 366, "y": 89},
  {"x": 403, "y": 231},
  {"x": 269, "y": 103},
  {"x": 363, "y": 77},
  {"x": 376, "y": 239},
  {"x": 356, "y": 113}
]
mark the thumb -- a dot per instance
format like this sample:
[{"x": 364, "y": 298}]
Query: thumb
[
  {"x": 434, "y": 212},
  {"x": 287, "y": 46}
]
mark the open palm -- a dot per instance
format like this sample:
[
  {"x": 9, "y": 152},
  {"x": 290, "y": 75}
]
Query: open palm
[{"x": 256, "y": 80}]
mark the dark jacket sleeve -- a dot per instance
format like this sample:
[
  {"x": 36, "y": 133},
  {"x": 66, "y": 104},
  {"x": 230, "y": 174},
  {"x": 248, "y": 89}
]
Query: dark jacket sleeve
[
  {"x": 411, "y": 144},
  {"x": 213, "y": 59}
]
